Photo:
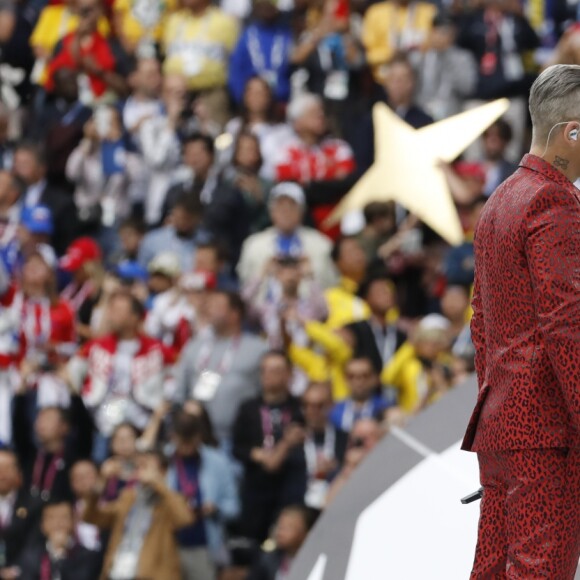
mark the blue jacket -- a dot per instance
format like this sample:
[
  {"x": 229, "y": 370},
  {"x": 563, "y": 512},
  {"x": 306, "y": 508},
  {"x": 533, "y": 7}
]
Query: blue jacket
[
  {"x": 244, "y": 66},
  {"x": 218, "y": 487}
]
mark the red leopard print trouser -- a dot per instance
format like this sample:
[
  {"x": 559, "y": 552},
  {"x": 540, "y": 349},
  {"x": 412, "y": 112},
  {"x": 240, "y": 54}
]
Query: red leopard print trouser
[{"x": 529, "y": 527}]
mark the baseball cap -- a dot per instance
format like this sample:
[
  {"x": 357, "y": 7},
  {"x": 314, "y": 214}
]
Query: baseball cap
[
  {"x": 129, "y": 270},
  {"x": 166, "y": 264},
  {"x": 290, "y": 190},
  {"x": 200, "y": 280},
  {"x": 37, "y": 220},
  {"x": 80, "y": 252}
]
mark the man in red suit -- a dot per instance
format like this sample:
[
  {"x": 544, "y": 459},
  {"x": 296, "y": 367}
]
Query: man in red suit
[{"x": 526, "y": 332}]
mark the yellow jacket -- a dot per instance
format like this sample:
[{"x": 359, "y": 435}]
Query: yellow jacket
[
  {"x": 388, "y": 28},
  {"x": 325, "y": 366},
  {"x": 405, "y": 373},
  {"x": 344, "y": 306}
]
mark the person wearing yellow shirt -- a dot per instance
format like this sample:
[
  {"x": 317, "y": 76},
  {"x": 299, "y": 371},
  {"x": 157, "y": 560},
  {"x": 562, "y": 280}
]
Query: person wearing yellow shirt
[
  {"x": 394, "y": 26},
  {"x": 197, "y": 42},
  {"x": 55, "y": 22},
  {"x": 141, "y": 20},
  {"x": 344, "y": 306},
  {"x": 417, "y": 371}
]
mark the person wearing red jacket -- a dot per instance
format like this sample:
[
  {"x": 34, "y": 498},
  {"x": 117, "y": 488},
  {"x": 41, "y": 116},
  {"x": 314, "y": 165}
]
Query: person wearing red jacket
[
  {"x": 124, "y": 376},
  {"x": 526, "y": 330}
]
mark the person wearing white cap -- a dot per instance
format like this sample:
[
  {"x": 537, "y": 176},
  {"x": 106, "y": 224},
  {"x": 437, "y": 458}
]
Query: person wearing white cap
[{"x": 287, "y": 238}]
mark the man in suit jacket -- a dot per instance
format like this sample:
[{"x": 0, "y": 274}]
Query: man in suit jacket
[
  {"x": 18, "y": 520},
  {"x": 526, "y": 423},
  {"x": 30, "y": 166},
  {"x": 57, "y": 554},
  {"x": 377, "y": 338}
]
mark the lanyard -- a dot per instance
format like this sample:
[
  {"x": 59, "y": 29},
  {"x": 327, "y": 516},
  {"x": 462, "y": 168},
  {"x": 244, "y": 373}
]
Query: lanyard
[
  {"x": 43, "y": 485},
  {"x": 399, "y": 37},
  {"x": 188, "y": 486},
  {"x": 312, "y": 453},
  {"x": 257, "y": 54},
  {"x": 267, "y": 416},
  {"x": 389, "y": 345},
  {"x": 36, "y": 323},
  {"x": 349, "y": 414},
  {"x": 45, "y": 568},
  {"x": 226, "y": 361}
]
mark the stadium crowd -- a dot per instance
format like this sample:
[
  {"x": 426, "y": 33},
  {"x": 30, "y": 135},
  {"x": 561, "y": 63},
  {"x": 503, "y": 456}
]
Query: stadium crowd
[{"x": 192, "y": 360}]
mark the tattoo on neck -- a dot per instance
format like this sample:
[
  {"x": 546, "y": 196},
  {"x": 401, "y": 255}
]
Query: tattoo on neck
[{"x": 561, "y": 163}]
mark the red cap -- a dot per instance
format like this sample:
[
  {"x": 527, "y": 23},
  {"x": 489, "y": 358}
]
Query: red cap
[
  {"x": 466, "y": 169},
  {"x": 80, "y": 252}
]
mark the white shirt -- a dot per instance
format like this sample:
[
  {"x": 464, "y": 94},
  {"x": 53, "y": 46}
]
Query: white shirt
[
  {"x": 7, "y": 508},
  {"x": 34, "y": 193}
]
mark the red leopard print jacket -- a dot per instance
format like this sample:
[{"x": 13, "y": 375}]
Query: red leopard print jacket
[{"x": 526, "y": 323}]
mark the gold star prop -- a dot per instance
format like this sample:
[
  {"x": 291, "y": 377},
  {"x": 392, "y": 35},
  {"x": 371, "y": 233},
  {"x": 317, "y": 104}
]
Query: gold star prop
[{"x": 406, "y": 167}]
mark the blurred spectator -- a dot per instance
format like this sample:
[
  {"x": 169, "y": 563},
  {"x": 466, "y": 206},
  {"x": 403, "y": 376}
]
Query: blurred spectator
[
  {"x": 399, "y": 83},
  {"x": 378, "y": 337},
  {"x": 392, "y": 26},
  {"x": 170, "y": 308},
  {"x": 244, "y": 175},
  {"x": 498, "y": 35},
  {"x": 310, "y": 156},
  {"x": 268, "y": 440},
  {"x": 164, "y": 271},
  {"x": 285, "y": 296},
  {"x": 143, "y": 522},
  {"x": 380, "y": 226},
  {"x": 6, "y": 146},
  {"x": 18, "y": 517},
  {"x": 30, "y": 166},
  {"x": 324, "y": 445},
  {"x": 179, "y": 236},
  {"x": 123, "y": 375},
  {"x": 118, "y": 471},
  {"x": 202, "y": 182},
  {"x": 197, "y": 41},
  {"x": 212, "y": 260},
  {"x": 365, "y": 435},
  {"x": 220, "y": 368},
  {"x": 328, "y": 54},
  {"x": 292, "y": 527},
  {"x": 87, "y": 51},
  {"x": 159, "y": 145},
  {"x": 205, "y": 477},
  {"x": 84, "y": 476},
  {"x": 344, "y": 306},
  {"x": 263, "y": 50},
  {"x": 83, "y": 261},
  {"x": 446, "y": 75},
  {"x": 257, "y": 116},
  {"x": 131, "y": 233},
  {"x": 495, "y": 142},
  {"x": 103, "y": 172},
  {"x": 48, "y": 448},
  {"x": 55, "y": 22},
  {"x": 46, "y": 330},
  {"x": 145, "y": 83},
  {"x": 455, "y": 307},
  {"x": 60, "y": 121},
  {"x": 59, "y": 554},
  {"x": 139, "y": 25},
  {"x": 364, "y": 401},
  {"x": 418, "y": 371},
  {"x": 286, "y": 237}
]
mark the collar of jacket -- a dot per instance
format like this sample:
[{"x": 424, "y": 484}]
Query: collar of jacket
[{"x": 535, "y": 163}]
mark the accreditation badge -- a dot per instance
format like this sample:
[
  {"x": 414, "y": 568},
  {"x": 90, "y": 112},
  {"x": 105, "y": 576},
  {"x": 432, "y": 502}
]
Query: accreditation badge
[{"x": 206, "y": 386}]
